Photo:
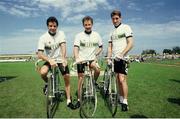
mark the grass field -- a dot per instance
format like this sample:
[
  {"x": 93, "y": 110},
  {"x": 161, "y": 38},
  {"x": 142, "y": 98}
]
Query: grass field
[{"x": 154, "y": 91}]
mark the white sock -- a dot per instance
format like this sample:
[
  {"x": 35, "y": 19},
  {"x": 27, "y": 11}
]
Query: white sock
[
  {"x": 121, "y": 99},
  {"x": 68, "y": 101},
  {"x": 78, "y": 99},
  {"x": 125, "y": 101}
]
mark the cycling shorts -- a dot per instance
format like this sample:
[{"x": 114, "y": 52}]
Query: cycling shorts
[
  {"x": 121, "y": 66},
  {"x": 64, "y": 70},
  {"x": 81, "y": 67}
]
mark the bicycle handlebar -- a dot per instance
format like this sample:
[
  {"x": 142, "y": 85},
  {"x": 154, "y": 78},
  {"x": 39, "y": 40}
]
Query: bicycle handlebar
[{"x": 82, "y": 61}]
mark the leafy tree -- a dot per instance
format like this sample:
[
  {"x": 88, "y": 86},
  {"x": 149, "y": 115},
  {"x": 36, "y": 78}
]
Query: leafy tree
[
  {"x": 176, "y": 49},
  {"x": 148, "y": 51},
  {"x": 169, "y": 51}
]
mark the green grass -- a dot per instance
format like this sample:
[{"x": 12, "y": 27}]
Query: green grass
[{"x": 154, "y": 91}]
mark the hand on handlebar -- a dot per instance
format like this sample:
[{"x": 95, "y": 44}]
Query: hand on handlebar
[
  {"x": 119, "y": 56},
  {"x": 64, "y": 62},
  {"x": 52, "y": 63},
  {"x": 78, "y": 60}
]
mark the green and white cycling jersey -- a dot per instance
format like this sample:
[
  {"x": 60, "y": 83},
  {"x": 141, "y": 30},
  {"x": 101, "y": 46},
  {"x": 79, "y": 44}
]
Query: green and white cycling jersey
[
  {"x": 88, "y": 44},
  {"x": 51, "y": 45},
  {"x": 118, "y": 37}
]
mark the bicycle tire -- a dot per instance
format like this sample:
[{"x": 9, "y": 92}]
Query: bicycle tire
[
  {"x": 88, "y": 98},
  {"x": 113, "y": 97},
  {"x": 106, "y": 83},
  {"x": 53, "y": 92},
  {"x": 49, "y": 98},
  {"x": 57, "y": 92}
]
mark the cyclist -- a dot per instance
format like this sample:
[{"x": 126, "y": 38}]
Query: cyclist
[
  {"x": 53, "y": 42},
  {"x": 120, "y": 43},
  {"x": 87, "y": 46}
]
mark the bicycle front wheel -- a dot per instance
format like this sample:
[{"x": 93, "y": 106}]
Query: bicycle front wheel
[
  {"x": 112, "y": 97},
  {"x": 49, "y": 98},
  {"x": 88, "y": 97},
  {"x": 106, "y": 83}
]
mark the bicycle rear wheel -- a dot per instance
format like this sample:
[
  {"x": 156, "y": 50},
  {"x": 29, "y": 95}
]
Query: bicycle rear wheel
[
  {"x": 88, "y": 97},
  {"x": 112, "y": 97}
]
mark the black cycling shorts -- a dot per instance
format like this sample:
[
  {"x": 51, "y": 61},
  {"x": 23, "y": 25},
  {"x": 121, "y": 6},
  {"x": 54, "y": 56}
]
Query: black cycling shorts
[
  {"x": 81, "y": 67},
  {"x": 61, "y": 68},
  {"x": 121, "y": 66}
]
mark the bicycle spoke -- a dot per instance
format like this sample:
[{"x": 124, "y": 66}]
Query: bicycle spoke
[
  {"x": 53, "y": 93},
  {"x": 88, "y": 98},
  {"x": 113, "y": 95},
  {"x": 106, "y": 83},
  {"x": 49, "y": 100}
]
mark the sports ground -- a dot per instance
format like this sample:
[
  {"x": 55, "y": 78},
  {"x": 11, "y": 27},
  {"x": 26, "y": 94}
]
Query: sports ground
[{"x": 154, "y": 91}]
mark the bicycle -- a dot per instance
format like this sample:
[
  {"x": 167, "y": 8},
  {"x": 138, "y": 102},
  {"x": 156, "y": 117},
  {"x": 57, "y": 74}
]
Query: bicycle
[
  {"x": 88, "y": 96},
  {"x": 53, "y": 90},
  {"x": 110, "y": 87}
]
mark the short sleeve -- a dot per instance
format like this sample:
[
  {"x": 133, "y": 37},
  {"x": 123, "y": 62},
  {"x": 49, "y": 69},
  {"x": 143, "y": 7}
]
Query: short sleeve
[
  {"x": 41, "y": 44},
  {"x": 76, "y": 41},
  {"x": 110, "y": 38},
  {"x": 128, "y": 31},
  {"x": 62, "y": 37},
  {"x": 100, "y": 43}
]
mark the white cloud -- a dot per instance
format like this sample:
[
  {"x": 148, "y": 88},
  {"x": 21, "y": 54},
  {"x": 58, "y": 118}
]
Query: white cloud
[
  {"x": 165, "y": 30},
  {"x": 2, "y": 7},
  {"x": 30, "y": 30},
  {"x": 156, "y": 36},
  {"x": 65, "y": 8},
  {"x": 18, "y": 12},
  {"x": 133, "y": 6},
  {"x": 76, "y": 18}
]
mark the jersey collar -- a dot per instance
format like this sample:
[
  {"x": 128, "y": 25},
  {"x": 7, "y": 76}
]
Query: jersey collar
[
  {"x": 88, "y": 33},
  {"x": 117, "y": 25},
  {"x": 52, "y": 34}
]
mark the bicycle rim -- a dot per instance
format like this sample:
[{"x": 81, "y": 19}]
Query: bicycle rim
[
  {"x": 88, "y": 98},
  {"x": 57, "y": 84},
  {"x": 49, "y": 99},
  {"x": 106, "y": 83},
  {"x": 112, "y": 98}
]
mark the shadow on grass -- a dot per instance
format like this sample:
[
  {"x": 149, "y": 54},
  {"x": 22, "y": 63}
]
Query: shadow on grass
[
  {"x": 138, "y": 116},
  {"x": 5, "y": 78},
  {"x": 174, "y": 100},
  {"x": 175, "y": 80}
]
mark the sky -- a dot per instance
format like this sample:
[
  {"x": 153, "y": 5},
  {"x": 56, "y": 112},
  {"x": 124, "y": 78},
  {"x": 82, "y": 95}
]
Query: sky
[{"x": 155, "y": 23}]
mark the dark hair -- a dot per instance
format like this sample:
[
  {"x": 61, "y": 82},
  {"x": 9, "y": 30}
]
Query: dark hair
[
  {"x": 115, "y": 12},
  {"x": 52, "y": 19},
  {"x": 87, "y": 18}
]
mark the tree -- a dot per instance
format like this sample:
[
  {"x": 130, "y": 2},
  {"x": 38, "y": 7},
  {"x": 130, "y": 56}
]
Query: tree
[
  {"x": 176, "y": 49},
  {"x": 149, "y": 51},
  {"x": 169, "y": 51}
]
